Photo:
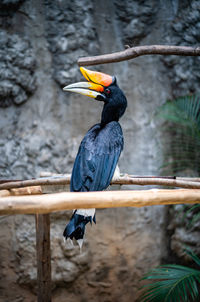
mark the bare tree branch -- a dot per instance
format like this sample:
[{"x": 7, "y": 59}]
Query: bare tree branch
[
  {"x": 61, "y": 180},
  {"x": 125, "y": 179},
  {"x": 134, "y": 52}
]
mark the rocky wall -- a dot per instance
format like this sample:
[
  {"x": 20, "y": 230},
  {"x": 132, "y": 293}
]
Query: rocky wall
[
  {"x": 41, "y": 128},
  {"x": 184, "y": 75}
]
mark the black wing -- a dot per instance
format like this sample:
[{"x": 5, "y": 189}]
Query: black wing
[{"x": 97, "y": 158}]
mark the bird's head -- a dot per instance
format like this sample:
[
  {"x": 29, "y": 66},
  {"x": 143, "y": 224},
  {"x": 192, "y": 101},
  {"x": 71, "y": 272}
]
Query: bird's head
[{"x": 102, "y": 87}]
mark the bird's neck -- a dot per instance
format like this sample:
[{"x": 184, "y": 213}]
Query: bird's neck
[{"x": 108, "y": 115}]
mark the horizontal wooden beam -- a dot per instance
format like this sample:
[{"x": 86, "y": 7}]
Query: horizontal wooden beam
[{"x": 47, "y": 203}]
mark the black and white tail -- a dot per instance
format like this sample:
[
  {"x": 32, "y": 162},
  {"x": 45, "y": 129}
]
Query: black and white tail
[{"x": 75, "y": 229}]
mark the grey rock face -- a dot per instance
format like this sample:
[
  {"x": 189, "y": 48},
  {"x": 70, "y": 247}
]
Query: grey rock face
[
  {"x": 11, "y": 3},
  {"x": 184, "y": 72},
  {"x": 8, "y": 7},
  {"x": 67, "y": 261},
  {"x": 71, "y": 34},
  {"x": 21, "y": 159},
  {"x": 17, "y": 65},
  {"x": 185, "y": 231},
  {"x": 137, "y": 19}
]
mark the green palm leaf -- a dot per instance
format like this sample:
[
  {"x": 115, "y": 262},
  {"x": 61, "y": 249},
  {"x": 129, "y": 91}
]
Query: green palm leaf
[
  {"x": 193, "y": 255},
  {"x": 171, "y": 283},
  {"x": 184, "y": 111}
]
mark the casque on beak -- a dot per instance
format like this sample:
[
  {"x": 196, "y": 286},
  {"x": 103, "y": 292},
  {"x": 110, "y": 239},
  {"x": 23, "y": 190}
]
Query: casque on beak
[{"x": 94, "y": 88}]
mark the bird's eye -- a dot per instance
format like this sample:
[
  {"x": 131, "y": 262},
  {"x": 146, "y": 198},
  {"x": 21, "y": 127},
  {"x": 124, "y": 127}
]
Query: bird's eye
[{"x": 107, "y": 91}]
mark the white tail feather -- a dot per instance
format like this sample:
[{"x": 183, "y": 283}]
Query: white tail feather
[{"x": 86, "y": 212}]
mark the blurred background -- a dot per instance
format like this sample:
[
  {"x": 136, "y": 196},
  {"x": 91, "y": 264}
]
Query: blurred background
[{"x": 41, "y": 128}]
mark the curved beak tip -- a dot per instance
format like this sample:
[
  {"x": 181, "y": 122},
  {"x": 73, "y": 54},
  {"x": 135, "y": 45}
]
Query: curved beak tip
[{"x": 66, "y": 88}]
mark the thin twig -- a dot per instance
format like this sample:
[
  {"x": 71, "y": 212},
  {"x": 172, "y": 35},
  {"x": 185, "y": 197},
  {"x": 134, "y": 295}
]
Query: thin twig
[
  {"x": 127, "y": 180},
  {"x": 134, "y": 52},
  {"x": 122, "y": 180},
  {"x": 61, "y": 180}
]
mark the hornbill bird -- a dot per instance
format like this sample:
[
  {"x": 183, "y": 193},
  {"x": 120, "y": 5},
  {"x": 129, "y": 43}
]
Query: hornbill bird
[{"x": 100, "y": 149}]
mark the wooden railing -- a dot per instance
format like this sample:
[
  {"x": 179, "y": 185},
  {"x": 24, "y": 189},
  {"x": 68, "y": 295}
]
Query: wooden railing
[{"x": 29, "y": 197}]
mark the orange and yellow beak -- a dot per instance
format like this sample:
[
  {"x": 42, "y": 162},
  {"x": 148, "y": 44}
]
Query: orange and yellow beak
[{"x": 94, "y": 88}]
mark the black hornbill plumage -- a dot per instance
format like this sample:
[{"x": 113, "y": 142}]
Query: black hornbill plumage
[{"x": 100, "y": 149}]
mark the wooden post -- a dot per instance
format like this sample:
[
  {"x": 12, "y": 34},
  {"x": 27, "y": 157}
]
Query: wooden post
[{"x": 43, "y": 257}]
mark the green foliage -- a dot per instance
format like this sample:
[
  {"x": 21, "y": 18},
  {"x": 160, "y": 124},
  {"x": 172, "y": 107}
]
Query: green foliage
[
  {"x": 182, "y": 152},
  {"x": 183, "y": 127},
  {"x": 184, "y": 111},
  {"x": 177, "y": 283},
  {"x": 190, "y": 215},
  {"x": 172, "y": 283}
]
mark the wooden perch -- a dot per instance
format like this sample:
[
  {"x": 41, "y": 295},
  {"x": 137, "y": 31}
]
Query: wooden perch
[
  {"x": 187, "y": 183},
  {"x": 63, "y": 180},
  {"x": 41, "y": 204},
  {"x": 134, "y": 52},
  {"x": 34, "y": 190},
  {"x": 142, "y": 181}
]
